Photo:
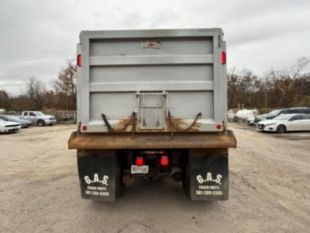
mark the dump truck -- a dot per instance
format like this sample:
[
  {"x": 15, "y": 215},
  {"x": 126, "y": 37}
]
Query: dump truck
[{"x": 152, "y": 103}]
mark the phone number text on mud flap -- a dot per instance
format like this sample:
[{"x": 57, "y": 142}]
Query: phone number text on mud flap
[{"x": 97, "y": 191}]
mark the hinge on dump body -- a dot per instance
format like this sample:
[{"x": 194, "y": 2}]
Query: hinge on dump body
[
  {"x": 79, "y": 128},
  {"x": 132, "y": 121},
  {"x": 176, "y": 128}
]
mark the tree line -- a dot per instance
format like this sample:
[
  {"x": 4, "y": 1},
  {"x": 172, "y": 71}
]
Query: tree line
[
  {"x": 38, "y": 97},
  {"x": 275, "y": 89}
]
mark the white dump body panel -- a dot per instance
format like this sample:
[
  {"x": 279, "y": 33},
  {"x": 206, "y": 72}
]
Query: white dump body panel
[{"x": 166, "y": 77}]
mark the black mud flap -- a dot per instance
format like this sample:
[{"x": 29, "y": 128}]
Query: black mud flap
[
  {"x": 98, "y": 175},
  {"x": 208, "y": 177}
]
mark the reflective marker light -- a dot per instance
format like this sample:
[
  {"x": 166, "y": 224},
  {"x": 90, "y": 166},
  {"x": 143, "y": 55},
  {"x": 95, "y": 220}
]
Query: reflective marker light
[
  {"x": 218, "y": 126},
  {"x": 164, "y": 160},
  {"x": 79, "y": 60},
  {"x": 223, "y": 58},
  {"x": 84, "y": 128},
  {"x": 139, "y": 161}
]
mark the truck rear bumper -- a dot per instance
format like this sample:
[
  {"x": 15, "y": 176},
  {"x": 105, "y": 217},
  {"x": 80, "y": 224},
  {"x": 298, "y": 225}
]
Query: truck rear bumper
[{"x": 196, "y": 140}]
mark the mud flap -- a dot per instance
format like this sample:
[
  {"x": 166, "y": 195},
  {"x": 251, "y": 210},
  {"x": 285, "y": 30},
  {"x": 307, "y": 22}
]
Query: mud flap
[
  {"x": 97, "y": 173},
  {"x": 208, "y": 177}
]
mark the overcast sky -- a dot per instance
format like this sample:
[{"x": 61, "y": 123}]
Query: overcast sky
[{"x": 37, "y": 37}]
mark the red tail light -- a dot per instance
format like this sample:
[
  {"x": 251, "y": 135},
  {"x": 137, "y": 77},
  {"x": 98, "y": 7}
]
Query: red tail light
[
  {"x": 164, "y": 161},
  {"x": 79, "y": 60},
  {"x": 84, "y": 128},
  {"x": 219, "y": 126},
  {"x": 139, "y": 161},
  {"x": 223, "y": 58}
]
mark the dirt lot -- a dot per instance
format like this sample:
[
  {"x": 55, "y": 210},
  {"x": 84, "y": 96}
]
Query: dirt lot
[{"x": 269, "y": 190}]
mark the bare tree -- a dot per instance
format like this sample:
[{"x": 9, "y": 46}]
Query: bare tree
[
  {"x": 65, "y": 86},
  {"x": 35, "y": 90},
  {"x": 4, "y": 100},
  {"x": 299, "y": 66}
]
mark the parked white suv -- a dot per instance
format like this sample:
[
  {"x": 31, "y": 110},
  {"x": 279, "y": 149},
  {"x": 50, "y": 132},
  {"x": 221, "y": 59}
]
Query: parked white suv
[{"x": 38, "y": 118}]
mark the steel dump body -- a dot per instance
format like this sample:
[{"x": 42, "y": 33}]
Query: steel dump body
[{"x": 151, "y": 81}]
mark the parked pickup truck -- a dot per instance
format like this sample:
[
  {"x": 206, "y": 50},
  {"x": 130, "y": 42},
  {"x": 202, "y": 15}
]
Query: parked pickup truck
[
  {"x": 38, "y": 118},
  {"x": 152, "y": 103}
]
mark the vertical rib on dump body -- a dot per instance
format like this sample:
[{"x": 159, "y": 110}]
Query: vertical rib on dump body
[{"x": 152, "y": 81}]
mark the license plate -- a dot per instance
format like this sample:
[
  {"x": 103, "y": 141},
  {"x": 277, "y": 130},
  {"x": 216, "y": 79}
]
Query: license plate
[{"x": 144, "y": 169}]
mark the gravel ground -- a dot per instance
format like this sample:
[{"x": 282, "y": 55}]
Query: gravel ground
[{"x": 269, "y": 190}]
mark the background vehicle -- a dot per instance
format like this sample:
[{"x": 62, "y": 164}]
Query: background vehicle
[
  {"x": 245, "y": 114},
  {"x": 8, "y": 126},
  {"x": 152, "y": 103},
  {"x": 286, "y": 122},
  {"x": 22, "y": 122},
  {"x": 251, "y": 120},
  {"x": 277, "y": 112},
  {"x": 38, "y": 118}
]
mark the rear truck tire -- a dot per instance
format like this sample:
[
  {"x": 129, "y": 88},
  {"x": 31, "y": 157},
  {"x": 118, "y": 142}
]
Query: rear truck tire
[
  {"x": 281, "y": 129},
  {"x": 40, "y": 123}
]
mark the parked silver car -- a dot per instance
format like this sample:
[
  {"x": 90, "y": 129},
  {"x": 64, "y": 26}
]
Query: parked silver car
[
  {"x": 38, "y": 118},
  {"x": 285, "y": 123},
  {"x": 278, "y": 112},
  {"x": 22, "y": 122},
  {"x": 9, "y": 127}
]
